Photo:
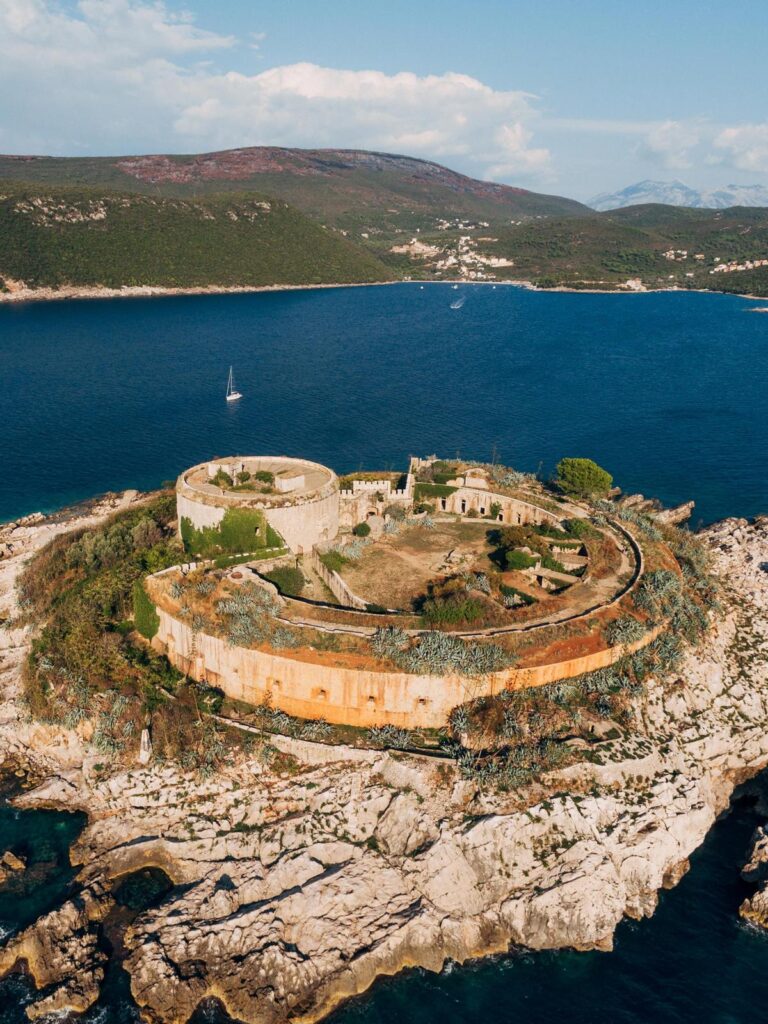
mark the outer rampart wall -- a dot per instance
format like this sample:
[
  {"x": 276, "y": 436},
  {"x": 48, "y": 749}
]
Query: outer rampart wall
[
  {"x": 199, "y": 514},
  {"x": 347, "y": 696}
]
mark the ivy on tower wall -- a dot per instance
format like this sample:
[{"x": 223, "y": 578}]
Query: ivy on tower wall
[{"x": 241, "y": 529}]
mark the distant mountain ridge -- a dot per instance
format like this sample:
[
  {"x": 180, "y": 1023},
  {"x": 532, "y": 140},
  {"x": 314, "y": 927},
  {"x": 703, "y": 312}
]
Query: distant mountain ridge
[{"x": 676, "y": 193}]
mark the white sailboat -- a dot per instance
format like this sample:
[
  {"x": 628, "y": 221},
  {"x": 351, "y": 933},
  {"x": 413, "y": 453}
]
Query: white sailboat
[{"x": 232, "y": 394}]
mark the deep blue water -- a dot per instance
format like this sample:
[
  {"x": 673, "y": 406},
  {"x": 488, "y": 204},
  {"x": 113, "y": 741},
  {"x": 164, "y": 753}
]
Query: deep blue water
[{"x": 666, "y": 390}]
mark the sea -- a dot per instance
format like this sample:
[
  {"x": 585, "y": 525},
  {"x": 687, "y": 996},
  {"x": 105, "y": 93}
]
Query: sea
[{"x": 666, "y": 390}]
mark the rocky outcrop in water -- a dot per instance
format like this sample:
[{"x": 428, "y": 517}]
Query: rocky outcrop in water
[{"x": 296, "y": 888}]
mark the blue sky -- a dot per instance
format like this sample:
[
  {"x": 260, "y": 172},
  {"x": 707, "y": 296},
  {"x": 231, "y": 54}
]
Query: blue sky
[{"x": 574, "y": 97}]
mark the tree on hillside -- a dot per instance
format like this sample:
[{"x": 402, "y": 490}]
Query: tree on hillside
[{"x": 583, "y": 477}]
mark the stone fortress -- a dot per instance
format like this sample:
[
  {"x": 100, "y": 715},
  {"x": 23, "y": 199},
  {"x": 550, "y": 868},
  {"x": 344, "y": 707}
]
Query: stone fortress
[
  {"x": 308, "y": 506},
  {"x": 268, "y": 513}
]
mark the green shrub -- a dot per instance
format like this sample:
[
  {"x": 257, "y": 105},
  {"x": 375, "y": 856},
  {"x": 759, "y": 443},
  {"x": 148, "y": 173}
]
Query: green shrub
[
  {"x": 222, "y": 479},
  {"x": 361, "y": 530},
  {"x": 583, "y": 477},
  {"x": 333, "y": 560},
  {"x": 580, "y": 528},
  {"x": 519, "y": 560},
  {"x": 288, "y": 579},
  {"x": 548, "y": 562},
  {"x": 432, "y": 491},
  {"x": 145, "y": 615},
  {"x": 264, "y": 476},
  {"x": 209, "y": 698},
  {"x": 452, "y": 611},
  {"x": 395, "y": 512}
]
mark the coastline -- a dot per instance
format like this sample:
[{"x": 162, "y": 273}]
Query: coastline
[{"x": 67, "y": 292}]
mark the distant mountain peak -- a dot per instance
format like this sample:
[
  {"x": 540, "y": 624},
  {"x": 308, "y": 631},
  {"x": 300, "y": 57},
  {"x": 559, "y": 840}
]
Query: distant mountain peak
[{"x": 676, "y": 193}]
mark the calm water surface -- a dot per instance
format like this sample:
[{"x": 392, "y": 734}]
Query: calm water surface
[{"x": 668, "y": 391}]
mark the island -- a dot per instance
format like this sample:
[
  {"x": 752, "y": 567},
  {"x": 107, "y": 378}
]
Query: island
[{"x": 340, "y": 725}]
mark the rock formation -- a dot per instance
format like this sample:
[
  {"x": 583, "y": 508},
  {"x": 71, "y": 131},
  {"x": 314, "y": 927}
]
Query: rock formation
[{"x": 302, "y": 885}]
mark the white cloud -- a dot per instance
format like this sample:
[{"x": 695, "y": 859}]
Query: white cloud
[
  {"x": 695, "y": 145},
  {"x": 671, "y": 144},
  {"x": 128, "y": 75},
  {"x": 440, "y": 116},
  {"x": 744, "y": 147}
]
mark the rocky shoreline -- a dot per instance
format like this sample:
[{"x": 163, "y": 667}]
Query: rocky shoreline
[
  {"x": 297, "y": 886},
  {"x": 23, "y": 294}
]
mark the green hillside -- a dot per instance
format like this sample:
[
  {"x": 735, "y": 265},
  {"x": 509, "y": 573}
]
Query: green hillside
[
  {"x": 59, "y": 236},
  {"x": 354, "y": 190},
  {"x": 607, "y": 249}
]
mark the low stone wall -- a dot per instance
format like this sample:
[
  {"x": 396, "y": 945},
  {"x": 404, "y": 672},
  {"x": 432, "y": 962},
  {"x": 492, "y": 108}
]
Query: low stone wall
[
  {"x": 335, "y": 583},
  {"x": 346, "y": 696}
]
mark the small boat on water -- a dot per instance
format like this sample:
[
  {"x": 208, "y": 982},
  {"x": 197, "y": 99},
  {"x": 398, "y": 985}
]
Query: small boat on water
[
  {"x": 232, "y": 393},
  {"x": 758, "y": 309}
]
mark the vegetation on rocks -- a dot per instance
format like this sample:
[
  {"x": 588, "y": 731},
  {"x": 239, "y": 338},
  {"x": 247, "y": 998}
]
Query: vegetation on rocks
[
  {"x": 87, "y": 668},
  {"x": 511, "y": 739},
  {"x": 436, "y": 653}
]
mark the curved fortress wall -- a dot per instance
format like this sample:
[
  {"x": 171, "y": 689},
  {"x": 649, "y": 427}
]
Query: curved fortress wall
[
  {"x": 303, "y": 506},
  {"x": 346, "y": 696}
]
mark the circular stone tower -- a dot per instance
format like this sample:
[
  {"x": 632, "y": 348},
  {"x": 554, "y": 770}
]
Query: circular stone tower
[{"x": 244, "y": 503}]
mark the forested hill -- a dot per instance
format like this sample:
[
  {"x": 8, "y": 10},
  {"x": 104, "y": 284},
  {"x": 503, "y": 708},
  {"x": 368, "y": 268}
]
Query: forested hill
[
  {"x": 52, "y": 237},
  {"x": 662, "y": 246},
  {"x": 349, "y": 189}
]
